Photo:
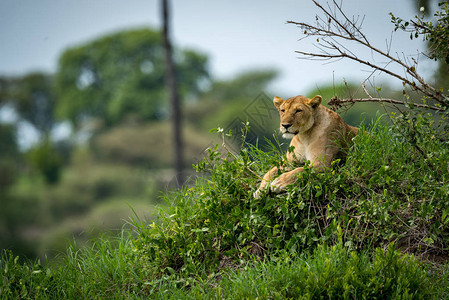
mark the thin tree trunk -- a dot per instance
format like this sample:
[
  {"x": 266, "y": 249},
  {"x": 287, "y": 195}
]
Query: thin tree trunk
[{"x": 172, "y": 87}]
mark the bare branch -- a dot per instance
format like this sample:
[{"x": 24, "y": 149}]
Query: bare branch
[
  {"x": 336, "y": 102},
  {"x": 337, "y": 26}
]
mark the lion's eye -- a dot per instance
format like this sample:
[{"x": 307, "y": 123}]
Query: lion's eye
[
  {"x": 282, "y": 110},
  {"x": 298, "y": 111}
]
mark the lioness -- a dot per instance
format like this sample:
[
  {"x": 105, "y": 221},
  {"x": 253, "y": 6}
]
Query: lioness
[{"x": 318, "y": 135}]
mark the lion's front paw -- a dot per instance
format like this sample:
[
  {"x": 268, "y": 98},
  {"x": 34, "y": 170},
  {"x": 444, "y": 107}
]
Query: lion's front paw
[
  {"x": 279, "y": 184},
  {"x": 257, "y": 194}
]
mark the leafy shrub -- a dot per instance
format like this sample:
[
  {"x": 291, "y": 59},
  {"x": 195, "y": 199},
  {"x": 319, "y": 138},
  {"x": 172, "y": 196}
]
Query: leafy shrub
[{"x": 386, "y": 191}]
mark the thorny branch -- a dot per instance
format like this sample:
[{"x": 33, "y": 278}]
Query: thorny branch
[{"x": 335, "y": 28}]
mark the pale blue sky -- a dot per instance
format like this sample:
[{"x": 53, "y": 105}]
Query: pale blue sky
[{"x": 236, "y": 35}]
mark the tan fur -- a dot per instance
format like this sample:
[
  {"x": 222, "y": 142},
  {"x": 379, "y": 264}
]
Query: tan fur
[{"x": 318, "y": 135}]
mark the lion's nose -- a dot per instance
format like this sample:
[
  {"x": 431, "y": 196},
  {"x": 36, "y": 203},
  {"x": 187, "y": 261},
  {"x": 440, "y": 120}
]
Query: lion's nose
[{"x": 286, "y": 126}]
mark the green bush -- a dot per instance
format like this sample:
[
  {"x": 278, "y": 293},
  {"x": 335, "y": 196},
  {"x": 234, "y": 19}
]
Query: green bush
[{"x": 385, "y": 192}]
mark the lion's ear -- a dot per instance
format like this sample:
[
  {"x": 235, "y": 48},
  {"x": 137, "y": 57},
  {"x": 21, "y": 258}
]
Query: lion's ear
[
  {"x": 277, "y": 101},
  {"x": 315, "y": 101}
]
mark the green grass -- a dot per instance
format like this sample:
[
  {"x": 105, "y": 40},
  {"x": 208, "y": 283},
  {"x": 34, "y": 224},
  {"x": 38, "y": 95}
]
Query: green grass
[
  {"x": 327, "y": 273},
  {"x": 107, "y": 270},
  {"x": 341, "y": 234}
]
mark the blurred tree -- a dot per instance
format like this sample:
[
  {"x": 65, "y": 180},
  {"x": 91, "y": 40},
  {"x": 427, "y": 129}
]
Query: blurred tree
[
  {"x": 5, "y": 87},
  {"x": 9, "y": 155},
  {"x": 45, "y": 158},
  {"x": 9, "y": 159},
  {"x": 226, "y": 99},
  {"x": 120, "y": 75},
  {"x": 33, "y": 100},
  {"x": 246, "y": 85},
  {"x": 173, "y": 90},
  {"x": 32, "y": 97},
  {"x": 230, "y": 103}
]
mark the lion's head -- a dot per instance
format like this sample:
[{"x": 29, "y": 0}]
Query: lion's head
[{"x": 297, "y": 114}]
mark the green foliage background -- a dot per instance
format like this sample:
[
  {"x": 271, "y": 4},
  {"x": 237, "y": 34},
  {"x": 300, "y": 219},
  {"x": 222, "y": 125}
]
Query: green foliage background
[
  {"x": 334, "y": 235},
  {"x": 122, "y": 74},
  {"x": 350, "y": 232}
]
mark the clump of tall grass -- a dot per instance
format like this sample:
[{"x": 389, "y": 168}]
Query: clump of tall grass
[
  {"x": 104, "y": 270},
  {"x": 329, "y": 272},
  {"x": 335, "y": 272}
]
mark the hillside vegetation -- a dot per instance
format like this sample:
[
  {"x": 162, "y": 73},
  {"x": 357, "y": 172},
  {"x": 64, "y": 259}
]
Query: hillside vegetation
[{"x": 338, "y": 234}]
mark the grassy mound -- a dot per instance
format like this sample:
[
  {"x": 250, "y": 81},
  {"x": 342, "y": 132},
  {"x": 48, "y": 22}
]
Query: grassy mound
[
  {"x": 335, "y": 234},
  {"x": 385, "y": 192}
]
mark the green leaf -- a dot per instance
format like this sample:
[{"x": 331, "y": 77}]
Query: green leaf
[{"x": 204, "y": 229}]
